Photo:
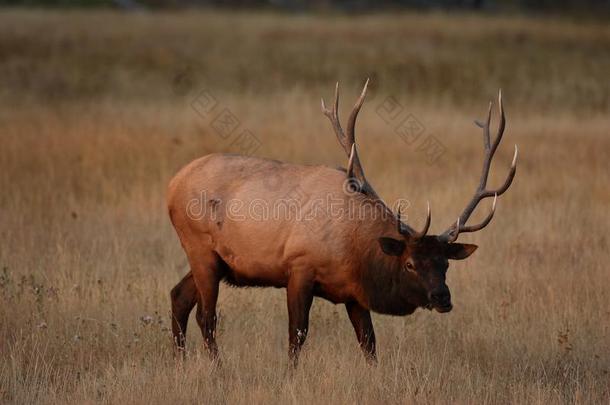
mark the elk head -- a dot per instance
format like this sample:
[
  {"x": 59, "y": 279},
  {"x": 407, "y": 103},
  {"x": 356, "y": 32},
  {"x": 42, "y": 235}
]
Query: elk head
[{"x": 422, "y": 257}]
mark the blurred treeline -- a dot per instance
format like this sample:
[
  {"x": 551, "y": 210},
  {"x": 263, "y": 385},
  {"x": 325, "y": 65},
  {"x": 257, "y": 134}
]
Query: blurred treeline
[{"x": 580, "y": 6}]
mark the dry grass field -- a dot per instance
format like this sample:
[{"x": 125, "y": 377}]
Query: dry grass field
[{"x": 96, "y": 116}]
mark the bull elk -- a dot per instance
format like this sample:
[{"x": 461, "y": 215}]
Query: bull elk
[{"x": 373, "y": 262}]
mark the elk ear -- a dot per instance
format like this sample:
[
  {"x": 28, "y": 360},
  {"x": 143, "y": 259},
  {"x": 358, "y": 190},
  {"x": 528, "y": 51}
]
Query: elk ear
[
  {"x": 392, "y": 246},
  {"x": 460, "y": 251}
]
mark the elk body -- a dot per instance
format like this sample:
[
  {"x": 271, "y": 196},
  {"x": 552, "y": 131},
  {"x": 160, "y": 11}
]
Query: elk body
[{"x": 256, "y": 222}]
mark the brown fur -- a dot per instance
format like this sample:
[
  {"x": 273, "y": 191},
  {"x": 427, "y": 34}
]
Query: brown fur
[{"x": 339, "y": 259}]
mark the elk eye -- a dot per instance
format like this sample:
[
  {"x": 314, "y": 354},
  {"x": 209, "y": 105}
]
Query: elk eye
[{"x": 410, "y": 266}]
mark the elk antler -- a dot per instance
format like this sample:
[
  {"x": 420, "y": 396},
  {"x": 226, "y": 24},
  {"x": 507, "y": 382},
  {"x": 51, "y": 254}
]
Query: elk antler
[
  {"x": 348, "y": 141},
  {"x": 354, "y": 167},
  {"x": 451, "y": 234}
]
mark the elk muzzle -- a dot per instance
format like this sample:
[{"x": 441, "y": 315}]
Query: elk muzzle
[{"x": 440, "y": 299}]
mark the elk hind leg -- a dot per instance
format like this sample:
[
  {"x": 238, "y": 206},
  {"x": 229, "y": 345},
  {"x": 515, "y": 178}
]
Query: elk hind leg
[
  {"x": 184, "y": 297},
  {"x": 208, "y": 271}
]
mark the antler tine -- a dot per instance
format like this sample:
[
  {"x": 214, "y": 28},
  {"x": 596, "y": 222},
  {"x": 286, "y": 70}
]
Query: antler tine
[
  {"x": 333, "y": 116},
  {"x": 350, "y": 139},
  {"x": 423, "y": 232},
  {"x": 483, "y": 224},
  {"x": 332, "y": 112},
  {"x": 336, "y": 103},
  {"x": 451, "y": 234},
  {"x": 509, "y": 179},
  {"x": 485, "y": 127},
  {"x": 501, "y": 125},
  {"x": 407, "y": 230},
  {"x": 351, "y": 122},
  {"x": 350, "y": 162}
]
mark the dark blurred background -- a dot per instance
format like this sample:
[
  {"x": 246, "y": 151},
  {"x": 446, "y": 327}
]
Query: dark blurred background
[{"x": 590, "y": 7}]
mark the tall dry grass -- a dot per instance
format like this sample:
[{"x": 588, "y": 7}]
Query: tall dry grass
[{"x": 87, "y": 254}]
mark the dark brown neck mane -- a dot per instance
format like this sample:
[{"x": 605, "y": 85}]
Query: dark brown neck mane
[{"x": 390, "y": 289}]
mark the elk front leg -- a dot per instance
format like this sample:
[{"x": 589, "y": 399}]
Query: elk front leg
[
  {"x": 363, "y": 326},
  {"x": 300, "y": 297},
  {"x": 207, "y": 275},
  {"x": 184, "y": 297}
]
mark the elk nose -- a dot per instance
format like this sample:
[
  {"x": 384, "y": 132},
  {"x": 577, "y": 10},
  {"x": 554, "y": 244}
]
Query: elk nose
[{"x": 440, "y": 296}]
